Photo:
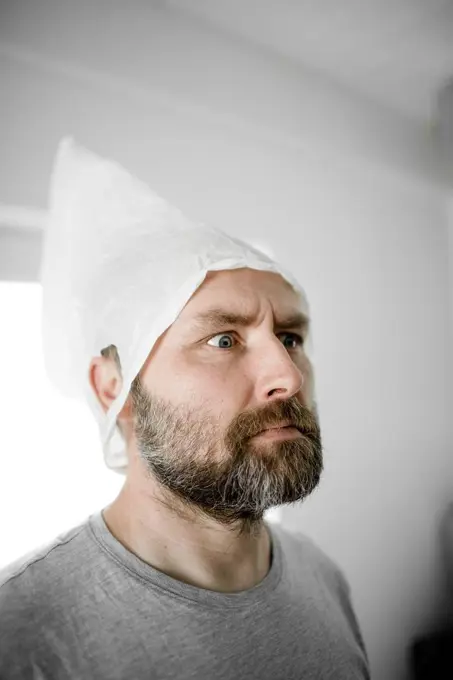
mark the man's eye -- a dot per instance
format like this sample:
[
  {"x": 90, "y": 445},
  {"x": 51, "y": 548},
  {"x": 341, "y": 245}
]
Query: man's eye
[
  {"x": 225, "y": 340},
  {"x": 295, "y": 338}
]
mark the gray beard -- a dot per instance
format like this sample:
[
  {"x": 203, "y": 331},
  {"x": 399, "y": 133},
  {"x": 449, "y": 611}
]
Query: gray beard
[{"x": 227, "y": 477}]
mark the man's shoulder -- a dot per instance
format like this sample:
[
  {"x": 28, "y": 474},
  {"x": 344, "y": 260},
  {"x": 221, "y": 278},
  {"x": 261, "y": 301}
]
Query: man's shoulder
[
  {"x": 306, "y": 546},
  {"x": 305, "y": 552},
  {"x": 36, "y": 589},
  {"x": 312, "y": 564},
  {"x": 40, "y": 565}
]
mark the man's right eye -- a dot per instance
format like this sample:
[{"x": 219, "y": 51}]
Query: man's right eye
[{"x": 223, "y": 337}]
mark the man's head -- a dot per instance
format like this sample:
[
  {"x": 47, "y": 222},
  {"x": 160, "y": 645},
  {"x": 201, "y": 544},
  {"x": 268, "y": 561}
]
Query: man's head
[{"x": 230, "y": 366}]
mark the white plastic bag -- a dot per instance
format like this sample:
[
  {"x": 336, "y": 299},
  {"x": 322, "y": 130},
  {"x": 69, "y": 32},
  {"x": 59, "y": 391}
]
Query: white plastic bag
[{"x": 119, "y": 264}]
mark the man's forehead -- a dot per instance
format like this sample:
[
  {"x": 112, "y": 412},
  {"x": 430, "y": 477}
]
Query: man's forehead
[
  {"x": 237, "y": 299},
  {"x": 244, "y": 283},
  {"x": 229, "y": 315}
]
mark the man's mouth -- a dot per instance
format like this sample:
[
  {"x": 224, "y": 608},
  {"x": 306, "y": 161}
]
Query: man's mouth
[
  {"x": 281, "y": 431},
  {"x": 279, "y": 426}
]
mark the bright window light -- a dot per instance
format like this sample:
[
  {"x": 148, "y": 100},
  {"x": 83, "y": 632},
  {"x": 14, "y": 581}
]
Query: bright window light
[{"x": 53, "y": 474}]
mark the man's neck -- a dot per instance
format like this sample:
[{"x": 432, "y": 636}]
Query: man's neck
[{"x": 202, "y": 554}]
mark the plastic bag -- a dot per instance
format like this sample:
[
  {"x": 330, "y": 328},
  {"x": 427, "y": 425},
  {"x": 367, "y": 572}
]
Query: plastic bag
[{"x": 119, "y": 264}]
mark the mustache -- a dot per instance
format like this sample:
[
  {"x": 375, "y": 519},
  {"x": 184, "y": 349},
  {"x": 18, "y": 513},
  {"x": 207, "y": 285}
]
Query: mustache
[{"x": 250, "y": 423}]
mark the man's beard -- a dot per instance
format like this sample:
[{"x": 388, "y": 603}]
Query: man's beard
[{"x": 227, "y": 476}]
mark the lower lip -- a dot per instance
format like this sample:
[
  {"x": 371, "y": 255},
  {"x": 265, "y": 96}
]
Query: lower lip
[{"x": 279, "y": 433}]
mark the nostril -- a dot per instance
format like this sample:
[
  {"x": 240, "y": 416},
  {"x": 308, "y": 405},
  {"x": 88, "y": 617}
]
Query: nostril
[{"x": 277, "y": 390}]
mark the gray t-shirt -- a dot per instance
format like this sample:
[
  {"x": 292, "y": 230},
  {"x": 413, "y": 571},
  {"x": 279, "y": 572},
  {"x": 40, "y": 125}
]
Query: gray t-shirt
[{"x": 84, "y": 607}]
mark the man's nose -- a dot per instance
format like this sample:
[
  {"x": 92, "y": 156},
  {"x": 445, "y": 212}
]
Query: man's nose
[{"x": 278, "y": 377}]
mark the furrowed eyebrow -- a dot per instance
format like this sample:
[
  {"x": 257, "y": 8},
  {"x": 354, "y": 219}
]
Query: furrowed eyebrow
[{"x": 221, "y": 317}]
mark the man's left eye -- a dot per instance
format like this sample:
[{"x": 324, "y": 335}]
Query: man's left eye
[{"x": 295, "y": 338}]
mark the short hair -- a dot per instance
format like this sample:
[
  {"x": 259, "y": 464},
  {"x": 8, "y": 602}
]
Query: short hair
[{"x": 111, "y": 352}]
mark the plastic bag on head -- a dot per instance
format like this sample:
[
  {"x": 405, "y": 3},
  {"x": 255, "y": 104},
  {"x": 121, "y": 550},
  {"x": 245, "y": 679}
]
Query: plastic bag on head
[{"x": 119, "y": 264}]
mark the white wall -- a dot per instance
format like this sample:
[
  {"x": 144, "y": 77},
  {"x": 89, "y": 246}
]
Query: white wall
[
  {"x": 379, "y": 253},
  {"x": 342, "y": 191}
]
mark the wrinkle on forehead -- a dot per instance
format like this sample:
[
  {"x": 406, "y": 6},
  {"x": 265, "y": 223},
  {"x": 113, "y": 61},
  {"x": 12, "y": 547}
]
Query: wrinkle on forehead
[
  {"x": 245, "y": 288},
  {"x": 227, "y": 316}
]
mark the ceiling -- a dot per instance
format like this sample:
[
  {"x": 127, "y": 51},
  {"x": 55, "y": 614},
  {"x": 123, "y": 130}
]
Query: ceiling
[{"x": 397, "y": 52}]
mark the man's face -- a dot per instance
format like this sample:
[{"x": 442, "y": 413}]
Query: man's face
[{"x": 209, "y": 388}]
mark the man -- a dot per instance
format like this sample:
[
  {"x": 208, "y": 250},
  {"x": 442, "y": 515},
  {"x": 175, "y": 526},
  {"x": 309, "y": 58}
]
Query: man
[{"x": 181, "y": 576}]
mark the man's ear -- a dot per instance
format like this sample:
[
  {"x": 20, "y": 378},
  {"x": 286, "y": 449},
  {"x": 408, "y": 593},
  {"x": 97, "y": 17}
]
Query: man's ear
[{"x": 105, "y": 380}]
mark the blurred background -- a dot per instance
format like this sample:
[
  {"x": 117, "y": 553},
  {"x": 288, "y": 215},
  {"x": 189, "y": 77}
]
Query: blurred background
[{"x": 322, "y": 133}]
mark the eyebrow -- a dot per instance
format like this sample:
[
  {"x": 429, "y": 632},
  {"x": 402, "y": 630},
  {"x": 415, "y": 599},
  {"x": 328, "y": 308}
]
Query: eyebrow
[{"x": 220, "y": 317}]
